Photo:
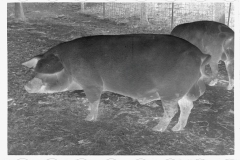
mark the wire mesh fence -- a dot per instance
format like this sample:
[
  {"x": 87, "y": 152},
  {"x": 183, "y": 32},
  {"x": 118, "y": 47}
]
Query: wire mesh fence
[{"x": 159, "y": 14}]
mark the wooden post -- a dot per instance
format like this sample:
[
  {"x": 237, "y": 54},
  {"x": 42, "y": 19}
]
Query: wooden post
[
  {"x": 104, "y": 10},
  {"x": 172, "y": 16},
  {"x": 229, "y": 13},
  {"x": 82, "y": 6},
  {"x": 144, "y": 15},
  {"x": 19, "y": 14}
]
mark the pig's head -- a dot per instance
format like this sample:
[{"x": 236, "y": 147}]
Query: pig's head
[{"x": 51, "y": 76}]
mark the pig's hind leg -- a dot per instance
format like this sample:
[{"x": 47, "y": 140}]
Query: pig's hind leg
[{"x": 186, "y": 104}]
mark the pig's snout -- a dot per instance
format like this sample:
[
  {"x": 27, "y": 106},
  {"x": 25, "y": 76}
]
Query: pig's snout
[{"x": 34, "y": 86}]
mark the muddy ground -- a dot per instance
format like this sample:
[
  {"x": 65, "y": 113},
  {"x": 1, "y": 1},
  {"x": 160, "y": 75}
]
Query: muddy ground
[{"x": 53, "y": 124}]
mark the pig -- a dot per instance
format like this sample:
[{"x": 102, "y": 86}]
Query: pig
[
  {"x": 213, "y": 38},
  {"x": 145, "y": 67}
]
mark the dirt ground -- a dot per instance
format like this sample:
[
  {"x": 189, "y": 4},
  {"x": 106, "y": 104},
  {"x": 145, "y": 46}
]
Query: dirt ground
[{"x": 53, "y": 124}]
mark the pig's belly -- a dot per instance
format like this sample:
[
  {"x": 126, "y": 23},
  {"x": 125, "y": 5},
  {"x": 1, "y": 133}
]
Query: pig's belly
[{"x": 144, "y": 92}]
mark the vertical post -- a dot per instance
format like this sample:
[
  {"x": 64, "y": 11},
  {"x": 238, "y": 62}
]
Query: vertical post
[
  {"x": 172, "y": 16},
  {"x": 19, "y": 14},
  {"x": 229, "y": 13},
  {"x": 82, "y": 6},
  {"x": 104, "y": 12},
  {"x": 144, "y": 14}
]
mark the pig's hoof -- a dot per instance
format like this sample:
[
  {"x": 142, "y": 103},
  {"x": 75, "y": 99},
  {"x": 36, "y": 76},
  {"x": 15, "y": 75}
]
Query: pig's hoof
[
  {"x": 91, "y": 117},
  {"x": 159, "y": 128},
  {"x": 229, "y": 87},
  {"x": 213, "y": 82},
  {"x": 177, "y": 127}
]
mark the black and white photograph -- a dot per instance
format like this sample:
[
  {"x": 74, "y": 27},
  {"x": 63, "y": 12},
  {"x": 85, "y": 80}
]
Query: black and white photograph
[{"x": 121, "y": 79}]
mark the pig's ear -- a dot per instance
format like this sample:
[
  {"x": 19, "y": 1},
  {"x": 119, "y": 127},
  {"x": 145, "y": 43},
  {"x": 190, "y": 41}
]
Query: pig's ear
[
  {"x": 49, "y": 64},
  {"x": 32, "y": 62}
]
